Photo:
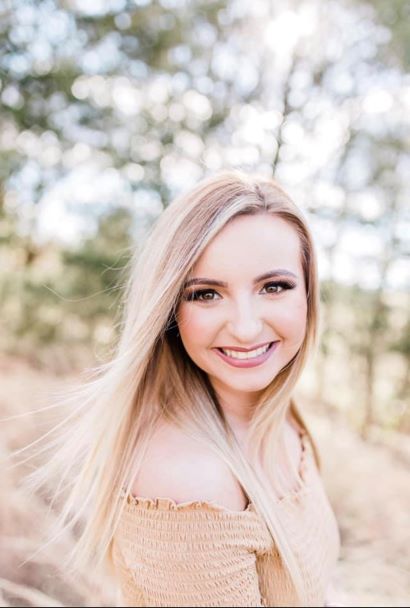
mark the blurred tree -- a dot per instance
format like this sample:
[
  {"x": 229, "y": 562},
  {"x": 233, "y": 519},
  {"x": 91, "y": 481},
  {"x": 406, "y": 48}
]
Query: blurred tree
[
  {"x": 124, "y": 104},
  {"x": 396, "y": 17},
  {"x": 69, "y": 298},
  {"x": 122, "y": 82}
]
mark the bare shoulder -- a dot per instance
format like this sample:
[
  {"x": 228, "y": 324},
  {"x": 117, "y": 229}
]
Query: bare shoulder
[{"x": 178, "y": 467}]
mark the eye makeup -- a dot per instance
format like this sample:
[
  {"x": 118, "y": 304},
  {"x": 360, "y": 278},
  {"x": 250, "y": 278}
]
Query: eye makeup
[
  {"x": 271, "y": 274},
  {"x": 199, "y": 295}
]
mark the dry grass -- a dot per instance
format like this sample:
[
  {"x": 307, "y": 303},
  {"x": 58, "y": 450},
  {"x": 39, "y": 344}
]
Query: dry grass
[{"x": 368, "y": 485}]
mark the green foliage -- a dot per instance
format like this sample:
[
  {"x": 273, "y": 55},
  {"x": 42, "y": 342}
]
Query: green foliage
[
  {"x": 142, "y": 89},
  {"x": 69, "y": 297},
  {"x": 150, "y": 41},
  {"x": 395, "y": 16}
]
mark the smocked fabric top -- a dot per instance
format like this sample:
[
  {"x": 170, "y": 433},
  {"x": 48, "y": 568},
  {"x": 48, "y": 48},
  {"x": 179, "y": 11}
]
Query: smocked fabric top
[{"x": 202, "y": 554}]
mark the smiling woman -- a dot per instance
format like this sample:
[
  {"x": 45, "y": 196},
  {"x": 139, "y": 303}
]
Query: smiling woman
[
  {"x": 195, "y": 475},
  {"x": 252, "y": 322}
]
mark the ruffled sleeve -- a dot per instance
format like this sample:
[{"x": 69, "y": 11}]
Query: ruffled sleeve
[{"x": 189, "y": 554}]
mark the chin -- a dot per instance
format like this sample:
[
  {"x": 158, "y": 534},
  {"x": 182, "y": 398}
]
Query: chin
[{"x": 249, "y": 387}]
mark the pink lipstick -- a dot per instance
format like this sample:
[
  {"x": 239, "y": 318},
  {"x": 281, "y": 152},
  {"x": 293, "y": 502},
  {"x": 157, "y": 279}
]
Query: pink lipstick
[{"x": 251, "y": 362}]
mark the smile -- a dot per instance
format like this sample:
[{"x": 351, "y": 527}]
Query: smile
[
  {"x": 237, "y": 354},
  {"x": 250, "y": 358}
]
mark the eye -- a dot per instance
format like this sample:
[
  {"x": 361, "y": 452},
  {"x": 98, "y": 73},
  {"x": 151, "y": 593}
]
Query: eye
[
  {"x": 277, "y": 287},
  {"x": 201, "y": 295}
]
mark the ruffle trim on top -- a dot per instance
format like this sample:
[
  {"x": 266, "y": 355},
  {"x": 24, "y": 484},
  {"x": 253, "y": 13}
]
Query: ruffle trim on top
[{"x": 168, "y": 504}]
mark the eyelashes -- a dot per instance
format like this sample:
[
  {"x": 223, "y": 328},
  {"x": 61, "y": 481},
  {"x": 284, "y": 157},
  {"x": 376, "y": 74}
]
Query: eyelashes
[
  {"x": 200, "y": 295},
  {"x": 284, "y": 286}
]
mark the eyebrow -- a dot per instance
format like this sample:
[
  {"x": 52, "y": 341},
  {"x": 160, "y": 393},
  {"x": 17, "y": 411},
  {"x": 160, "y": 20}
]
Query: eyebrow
[{"x": 279, "y": 272}]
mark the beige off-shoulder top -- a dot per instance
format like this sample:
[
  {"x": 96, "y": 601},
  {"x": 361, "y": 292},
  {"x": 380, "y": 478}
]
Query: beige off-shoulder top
[{"x": 202, "y": 554}]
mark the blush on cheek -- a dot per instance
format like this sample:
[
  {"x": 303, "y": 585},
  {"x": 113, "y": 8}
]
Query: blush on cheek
[
  {"x": 193, "y": 326},
  {"x": 291, "y": 322}
]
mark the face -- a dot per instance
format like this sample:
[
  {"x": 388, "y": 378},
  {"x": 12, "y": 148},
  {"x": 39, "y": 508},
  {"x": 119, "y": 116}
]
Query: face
[{"x": 243, "y": 313}]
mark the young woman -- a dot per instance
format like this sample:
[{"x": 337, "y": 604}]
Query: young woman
[{"x": 195, "y": 475}]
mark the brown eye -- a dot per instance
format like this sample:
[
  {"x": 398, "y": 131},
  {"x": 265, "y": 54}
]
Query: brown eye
[
  {"x": 278, "y": 287},
  {"x": 201, "y": 295}
]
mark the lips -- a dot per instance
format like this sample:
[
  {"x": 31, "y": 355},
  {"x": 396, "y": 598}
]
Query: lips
[
  {"x": 248, "y": 354},
  {"x": 245, "y": 350},
  {"x": 246, "y": 362}
]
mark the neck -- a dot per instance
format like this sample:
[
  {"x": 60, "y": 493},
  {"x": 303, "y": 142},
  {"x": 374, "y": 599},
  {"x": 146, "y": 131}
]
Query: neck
[{"x": 238, "y": 409}]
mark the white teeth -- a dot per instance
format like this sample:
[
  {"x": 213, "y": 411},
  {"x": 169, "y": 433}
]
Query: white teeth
[{"x": 236, "y": 354}]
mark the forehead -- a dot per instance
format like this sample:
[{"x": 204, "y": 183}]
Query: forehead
[{"x": 251, "y": 244}]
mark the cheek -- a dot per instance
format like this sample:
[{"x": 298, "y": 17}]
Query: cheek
[
  {"x": 291, "y": 320},
  {"x": 195, "y": 325}
]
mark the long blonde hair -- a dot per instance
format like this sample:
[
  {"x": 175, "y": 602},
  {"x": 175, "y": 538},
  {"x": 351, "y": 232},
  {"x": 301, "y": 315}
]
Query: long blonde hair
[{"x": 150, "y": 376}]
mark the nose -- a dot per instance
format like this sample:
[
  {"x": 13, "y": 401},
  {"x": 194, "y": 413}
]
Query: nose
[{"x": 245, "y": 324}]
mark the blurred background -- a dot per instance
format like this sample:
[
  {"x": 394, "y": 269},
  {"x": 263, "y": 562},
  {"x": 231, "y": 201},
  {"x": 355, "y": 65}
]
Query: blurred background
[{"x": 110, "y": 108}]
